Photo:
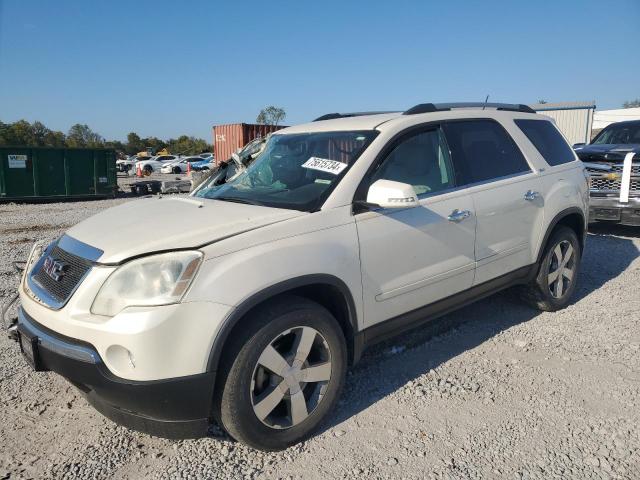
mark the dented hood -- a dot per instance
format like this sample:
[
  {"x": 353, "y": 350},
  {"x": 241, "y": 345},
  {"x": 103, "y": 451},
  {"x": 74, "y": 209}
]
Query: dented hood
[{"x": 165, "y": 223}]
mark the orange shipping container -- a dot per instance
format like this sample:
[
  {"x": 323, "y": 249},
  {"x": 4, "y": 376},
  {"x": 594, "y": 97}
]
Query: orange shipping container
[{"x": 229, "y": 138}]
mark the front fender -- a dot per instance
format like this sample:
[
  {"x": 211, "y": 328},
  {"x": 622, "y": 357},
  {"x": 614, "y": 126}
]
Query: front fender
[{"x": 235, "y": 277}]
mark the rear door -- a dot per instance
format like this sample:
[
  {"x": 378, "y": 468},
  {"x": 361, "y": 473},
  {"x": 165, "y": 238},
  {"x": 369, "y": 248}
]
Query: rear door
[
  {"x": 505, "y": 192},
  {"x": 416, "y": 256}
]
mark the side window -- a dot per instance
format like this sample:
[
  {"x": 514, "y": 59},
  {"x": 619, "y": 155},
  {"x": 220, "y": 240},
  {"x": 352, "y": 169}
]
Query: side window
[
  {"x": 547, "y": 140},
  {"x": 421, "y": 160},
  {"x": 483, "y": 150}
]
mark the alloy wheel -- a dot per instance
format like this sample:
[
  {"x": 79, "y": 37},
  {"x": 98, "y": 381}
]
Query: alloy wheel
[
  {"x": 561, "y": 269},
  {"x": 291, "y": 377}
]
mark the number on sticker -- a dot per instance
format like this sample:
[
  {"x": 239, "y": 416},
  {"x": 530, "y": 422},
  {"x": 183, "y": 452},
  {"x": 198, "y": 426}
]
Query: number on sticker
[{"x": 324, "y": 165}]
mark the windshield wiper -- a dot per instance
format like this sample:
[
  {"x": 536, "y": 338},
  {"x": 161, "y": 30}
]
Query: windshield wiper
[{"x": 237, "y": 200}]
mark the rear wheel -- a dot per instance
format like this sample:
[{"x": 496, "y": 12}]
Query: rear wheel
[
  {"x": 555, "y": 283},
  {"x": 285, "y": 374}
]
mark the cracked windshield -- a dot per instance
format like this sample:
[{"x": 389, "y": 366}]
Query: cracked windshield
[{"x": 295, "y": 171}]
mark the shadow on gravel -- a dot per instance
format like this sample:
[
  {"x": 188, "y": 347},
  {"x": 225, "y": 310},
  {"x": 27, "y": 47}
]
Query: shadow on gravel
[
  {"x": 614, "y": 230},
  {"x": 387, "y": 367}
]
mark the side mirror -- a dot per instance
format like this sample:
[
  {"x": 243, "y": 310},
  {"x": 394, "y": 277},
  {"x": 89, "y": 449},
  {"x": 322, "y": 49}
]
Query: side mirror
[
  {"x": 578, "y": 145},
  {"x": 390, "y": 194}
]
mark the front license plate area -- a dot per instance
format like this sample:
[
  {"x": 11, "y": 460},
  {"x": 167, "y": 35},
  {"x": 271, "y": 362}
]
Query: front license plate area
[
  {"x": 607, "y": 214},
  {"x": 29, "y": 348}
]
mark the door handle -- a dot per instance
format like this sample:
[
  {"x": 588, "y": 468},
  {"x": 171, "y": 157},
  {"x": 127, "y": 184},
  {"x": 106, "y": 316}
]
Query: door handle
[
  {"x": 458, "y": 215},
  {"x": 530, "y": 196}
]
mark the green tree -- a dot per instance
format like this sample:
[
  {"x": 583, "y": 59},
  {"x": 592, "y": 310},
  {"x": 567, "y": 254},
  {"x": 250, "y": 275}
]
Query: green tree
[
  {"x": 271, "y": 115},
  {"x": 185, "y": 145},
  {"x": 54, "y": 138},
  {"x": 18, "y": 133},
  {"x": 631, "y": 103},
  {"x": 82, "y": 136},
  {"x": 134, "y": 144},
  {"x": 116, "y": 145},
  {"x": 153, "y": 143}
]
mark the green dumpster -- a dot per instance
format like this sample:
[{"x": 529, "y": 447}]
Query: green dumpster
[{"x": 41, "y": 173}]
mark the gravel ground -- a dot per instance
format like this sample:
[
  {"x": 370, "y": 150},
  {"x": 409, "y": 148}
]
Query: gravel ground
[{"x": 495, "y": 390}]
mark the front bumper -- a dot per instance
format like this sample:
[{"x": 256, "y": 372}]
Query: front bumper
[
  {"x": 611, "y": 209},
  {"x": 172, "y": 408}
]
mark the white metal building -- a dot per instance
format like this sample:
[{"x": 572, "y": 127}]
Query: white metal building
[
  {"x": 574, "y": 119},
  {"x": 602, "y": 118}
]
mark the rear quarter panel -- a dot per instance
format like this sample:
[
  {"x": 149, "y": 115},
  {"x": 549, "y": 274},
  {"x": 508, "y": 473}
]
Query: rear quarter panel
[{"x": 564, "y": 187}]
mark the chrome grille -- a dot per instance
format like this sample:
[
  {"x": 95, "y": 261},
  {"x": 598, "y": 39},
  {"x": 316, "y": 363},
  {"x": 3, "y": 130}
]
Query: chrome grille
[
  {"x": 76, "y": 269},
  {"x": 635, "y": 169},
  {"x": 604, "y": 184}
]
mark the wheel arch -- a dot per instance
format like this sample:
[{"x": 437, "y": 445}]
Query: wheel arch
[
  {"x": 324, "y": 289},
  {"x": 573, "y": 218}
]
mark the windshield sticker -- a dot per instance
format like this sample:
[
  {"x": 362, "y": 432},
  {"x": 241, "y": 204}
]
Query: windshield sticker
[{"x": 324, "y": 165}]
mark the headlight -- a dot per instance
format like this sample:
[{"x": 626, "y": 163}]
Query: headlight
[{"x": 155, "y": 280}]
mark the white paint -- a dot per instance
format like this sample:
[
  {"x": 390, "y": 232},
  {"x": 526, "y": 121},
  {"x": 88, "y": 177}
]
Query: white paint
[
  {"x": 626, "y": 178},
  {"x": 602, "y": 118}
]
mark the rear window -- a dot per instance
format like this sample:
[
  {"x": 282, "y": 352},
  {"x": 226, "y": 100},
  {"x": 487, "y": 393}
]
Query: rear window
[
  {"x": 547, "y": 140},
  {"x": 482, "y": 150}
]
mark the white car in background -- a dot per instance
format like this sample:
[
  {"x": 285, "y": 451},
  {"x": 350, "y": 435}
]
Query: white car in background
[
  {"x": 179, "y": 166},
  {"x": 155, "y": 164},
  {"x": 206, "y": 155},
  {"x": 127, "y": 164}
]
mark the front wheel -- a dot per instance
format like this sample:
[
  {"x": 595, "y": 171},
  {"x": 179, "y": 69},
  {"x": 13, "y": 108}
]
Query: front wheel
[
  {"x": 285, "y": 374},
  {"x": 555, "y": 283}
]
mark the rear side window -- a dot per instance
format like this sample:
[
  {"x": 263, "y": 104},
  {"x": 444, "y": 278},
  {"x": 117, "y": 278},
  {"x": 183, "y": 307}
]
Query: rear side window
[
  {"x": 482, "y": 150},
  {"x": 547, "y": 140}
]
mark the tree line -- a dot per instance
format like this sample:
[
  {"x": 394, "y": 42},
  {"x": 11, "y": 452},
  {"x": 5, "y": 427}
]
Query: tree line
[{"x": 36, "y": 134}]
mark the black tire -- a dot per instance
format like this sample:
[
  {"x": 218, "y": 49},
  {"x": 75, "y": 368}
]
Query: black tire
[
  {"x": 539, "y": 292},
  {"x": 177, "y": 170},
  {"x": 148, "y": 170},
  {"x": 235, "y": 390}
]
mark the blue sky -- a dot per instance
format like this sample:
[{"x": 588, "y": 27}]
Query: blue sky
[{"x": 166, "y": 68}]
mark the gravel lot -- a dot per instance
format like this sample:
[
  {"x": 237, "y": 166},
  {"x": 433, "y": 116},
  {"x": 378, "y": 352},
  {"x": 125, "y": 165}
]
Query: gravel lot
[{"x": 504, "y": 392}]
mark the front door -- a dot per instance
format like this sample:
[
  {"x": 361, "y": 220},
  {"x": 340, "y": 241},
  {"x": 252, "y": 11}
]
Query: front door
[{"x": 416, "y": 256}]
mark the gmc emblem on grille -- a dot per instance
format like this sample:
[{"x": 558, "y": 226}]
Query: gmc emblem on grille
[{"x": 55, "y": 268}]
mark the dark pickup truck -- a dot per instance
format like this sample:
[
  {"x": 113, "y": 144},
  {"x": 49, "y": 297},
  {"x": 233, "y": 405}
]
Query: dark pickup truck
[{"x": 613, "y": 162}]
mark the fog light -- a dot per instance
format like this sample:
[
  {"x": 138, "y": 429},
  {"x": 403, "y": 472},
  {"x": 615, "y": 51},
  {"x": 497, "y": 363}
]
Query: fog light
[{"x": 120, "y": 358}]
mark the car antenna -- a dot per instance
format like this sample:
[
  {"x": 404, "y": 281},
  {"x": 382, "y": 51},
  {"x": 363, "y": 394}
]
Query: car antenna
[{"x": 485, "y": 102}]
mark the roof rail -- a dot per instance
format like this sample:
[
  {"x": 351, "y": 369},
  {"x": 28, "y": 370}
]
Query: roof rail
[
  {"x": 331, "y": 116},
  {"x": 442, "y": 107}
]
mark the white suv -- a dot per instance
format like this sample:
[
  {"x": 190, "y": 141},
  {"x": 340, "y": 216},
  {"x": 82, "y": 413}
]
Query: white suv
[{"x": 247, "y": 302}]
